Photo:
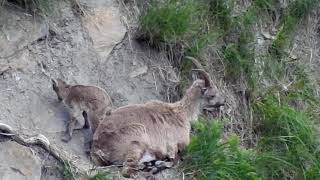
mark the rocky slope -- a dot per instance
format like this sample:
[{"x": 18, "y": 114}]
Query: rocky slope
[{"x": 93, "y": 48}]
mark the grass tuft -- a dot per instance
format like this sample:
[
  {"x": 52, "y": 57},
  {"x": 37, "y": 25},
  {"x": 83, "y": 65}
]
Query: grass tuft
[
  {"x": 169, "y": 22},
  {"x": 100, "y": 176},
  {"x": 289, "y": 136},
  {"x": 209, "y": 158},
  {"x": 297, "y": 10},
  {"x": 67, "y": 171}
]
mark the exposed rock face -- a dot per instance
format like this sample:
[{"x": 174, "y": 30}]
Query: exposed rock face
[
  {"x": 102, "y": 21},
  {"x": 18, "y": 30},
  {"x": 77, "y": 49},
  {"x": 18, "y": 162}
]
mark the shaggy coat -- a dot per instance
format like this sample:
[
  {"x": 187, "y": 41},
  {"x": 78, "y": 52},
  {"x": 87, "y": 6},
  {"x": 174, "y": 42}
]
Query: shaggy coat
[
  {"x": 89, "y": 102},
  {"x": 155, "y": 130}
]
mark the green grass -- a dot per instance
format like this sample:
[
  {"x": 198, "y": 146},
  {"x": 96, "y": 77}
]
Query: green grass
[
  {"x": 67, "y": 171},
  {"x": 217, "y": 14},
  {"x": 187, "y": 24},
  {"x": 296, "y": 12},
  {"x": 285, "y": 107},
  {"x": 288, "y": 147},
  {"x": 209, "y": 158},
  {"x": 289, "y": 136},
  {"x": 170, "y": 22},
  {"x": 100, "y": 176}
]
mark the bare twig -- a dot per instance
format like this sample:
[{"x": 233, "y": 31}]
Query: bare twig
[{"x": 42, "y": 141}]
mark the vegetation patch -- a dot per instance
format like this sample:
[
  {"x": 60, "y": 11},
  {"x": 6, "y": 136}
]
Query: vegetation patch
[
  {"x": 100, "y": 176},
  {"x": 185, "y": 25},
  {"x": 207, "y": 157},
  {"x": 281, "y": 96},
  {"x": 67, "y": 171},
  {"x": 297, "y": 10},
  {"x": 169, "y": 22},
  {"x": 289, "y": 139}
]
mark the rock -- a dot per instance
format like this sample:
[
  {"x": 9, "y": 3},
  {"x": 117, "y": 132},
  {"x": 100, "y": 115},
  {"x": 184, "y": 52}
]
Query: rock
[
  {"x": 17, "y": 30},
  {"x": 267, "y": 36},
  {"x": 18, "y": 162},
  {"x": 4, "y": 68},
  {"x": 18, "y": 62},
  {"x": 293, "y": 57},
  {"x": 104, "y": 25},
  {"x": 139, "y": 71}
]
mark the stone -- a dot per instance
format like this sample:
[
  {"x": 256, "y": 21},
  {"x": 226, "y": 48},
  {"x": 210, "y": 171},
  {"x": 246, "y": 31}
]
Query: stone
[
  {"x": 18, "y": 162},
  {"x": 18, "y": 30},
  {"x": 139, "y": 71},
  {"x": 104, "y": 26},
  {"x": 267, "y": 36}
]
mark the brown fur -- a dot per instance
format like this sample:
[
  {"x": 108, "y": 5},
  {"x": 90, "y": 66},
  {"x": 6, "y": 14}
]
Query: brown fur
[
  {"x": 156, "y": 129},
  {"x": 90, "y": 102}
]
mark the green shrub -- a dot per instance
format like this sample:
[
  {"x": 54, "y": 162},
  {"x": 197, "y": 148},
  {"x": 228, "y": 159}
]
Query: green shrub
[{"x": 209, "y": 158}]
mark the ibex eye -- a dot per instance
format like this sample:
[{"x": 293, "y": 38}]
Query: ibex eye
[{"x": 211, "y": 96}]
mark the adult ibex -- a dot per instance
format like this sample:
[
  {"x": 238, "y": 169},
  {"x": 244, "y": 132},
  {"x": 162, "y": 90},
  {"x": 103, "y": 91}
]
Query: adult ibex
[
  {"x": 156, "y": 130},
  {"x": 90, "y": 102}
]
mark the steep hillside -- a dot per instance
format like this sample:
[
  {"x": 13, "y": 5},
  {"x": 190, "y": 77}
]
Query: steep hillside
[
  {"x": 263, "y": 56},
  {"x": 92, "y": 49}
]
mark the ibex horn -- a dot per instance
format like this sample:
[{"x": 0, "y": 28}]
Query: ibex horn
[
  {"x": 204, "y": 75},
  {"x": 195, "y": 62},
  {"x": 54, "y": 81}
]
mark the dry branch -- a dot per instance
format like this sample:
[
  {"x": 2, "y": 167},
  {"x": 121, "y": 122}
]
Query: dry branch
[{"x": 42, "y": 141}]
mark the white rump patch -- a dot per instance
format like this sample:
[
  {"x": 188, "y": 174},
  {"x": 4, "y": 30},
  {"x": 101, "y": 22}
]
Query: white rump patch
[{"x": 147, "y": 157}]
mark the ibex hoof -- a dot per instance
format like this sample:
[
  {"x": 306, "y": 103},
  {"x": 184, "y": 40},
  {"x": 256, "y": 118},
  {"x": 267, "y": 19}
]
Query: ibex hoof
[{"x": 66, "y": 138}]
